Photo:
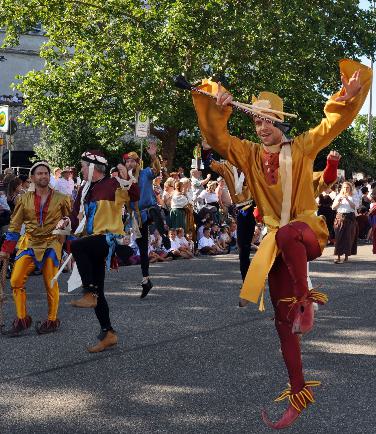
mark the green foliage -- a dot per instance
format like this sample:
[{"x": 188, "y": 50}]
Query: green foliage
[{"x": 105, "y": 61}]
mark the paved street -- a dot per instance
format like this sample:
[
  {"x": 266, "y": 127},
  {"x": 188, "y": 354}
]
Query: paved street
[{"x": 189, "y": 360}]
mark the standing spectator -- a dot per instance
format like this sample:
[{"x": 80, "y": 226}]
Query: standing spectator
[
  {"x": 363, "y": 223},
  {"x": 325, "y": 203},
  {"x": 181, "y": 172},
  {"x": 345, "y": 227},
  {"x": 224, "y": 198},
  {"x": 365, "y": 200},
  {"x": 190, "y": 225},
  {"x": 198, "y": 183},
  {"x": 25, "y": 183},
  {"x": 114, "y": 172},
  {"x": 372, "y": 219},
  {"x": 14, "y": 191},
  {"x": 178, "y": 202},
  {"x": 168, "y": 190},
  {"x": 65, "y": 183},
  {"x": 55, "y": 176}
]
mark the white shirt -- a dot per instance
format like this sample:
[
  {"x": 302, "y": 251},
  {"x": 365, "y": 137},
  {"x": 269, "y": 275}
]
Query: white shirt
[
  {"x": 182, "y": 241},
  {"x": 205, "y": 242},
  {"x": 65, "y": 186},
  {"x": 174, "y": 244},
  {"x": 345, "y": 207},
  {"x": 178, "y": 201},
  {"x": 208, "y": 197}
]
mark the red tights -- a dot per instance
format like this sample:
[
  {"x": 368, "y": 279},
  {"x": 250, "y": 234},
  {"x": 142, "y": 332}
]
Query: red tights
[{"x": 288, "y": 278}]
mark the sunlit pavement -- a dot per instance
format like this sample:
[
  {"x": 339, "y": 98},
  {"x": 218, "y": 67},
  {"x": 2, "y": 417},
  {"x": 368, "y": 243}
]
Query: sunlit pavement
[{"x": 189, "y": 360}]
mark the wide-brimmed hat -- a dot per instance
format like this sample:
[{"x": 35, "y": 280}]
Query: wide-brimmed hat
[{"x": 269, "y": 100}]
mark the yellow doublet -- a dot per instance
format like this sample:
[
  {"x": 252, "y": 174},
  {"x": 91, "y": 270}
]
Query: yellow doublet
[
  {"x": 247, "y": 156},
  {"x": 39, "y": 236}
]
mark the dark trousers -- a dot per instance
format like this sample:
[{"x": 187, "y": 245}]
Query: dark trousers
[
  {"x": 245, "y": 229},
  {"x": 143, "y": 244},
  {"x": 90, "y": 255}
]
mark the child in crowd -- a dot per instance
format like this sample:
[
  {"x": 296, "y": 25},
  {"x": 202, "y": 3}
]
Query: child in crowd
[
  {"x": 175, "y": 251},
  {"x": 190, "y": 242},
  {"x": 224, "y": 238},
  {"x": 157, "y": 251},
  {"x": 207, "y": 245},
  {"x": 184, "y": 245}
]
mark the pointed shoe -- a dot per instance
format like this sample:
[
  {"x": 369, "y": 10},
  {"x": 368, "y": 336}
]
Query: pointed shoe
[
  {"x": 287, "y": 419},
  {"x": 18, "y": 327},
  {"x": 87, "y": 301},
  {"x": 304, "y": 317},
  {"x": 110, "y": 340},
  {"x": 48, "y": 326}
]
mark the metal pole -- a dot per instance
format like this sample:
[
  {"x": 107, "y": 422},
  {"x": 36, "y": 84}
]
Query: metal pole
[{"x": 370, "y": 117}]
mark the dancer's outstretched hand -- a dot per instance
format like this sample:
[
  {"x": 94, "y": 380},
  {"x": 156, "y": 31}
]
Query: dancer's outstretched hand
[
  {"x": 352, "y": 87},
  {"x": 224, "y": 98}
]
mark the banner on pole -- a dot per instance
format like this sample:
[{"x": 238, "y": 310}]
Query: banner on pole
[
  {"x": 4, "y": 118},
  {"x": 142, "y": 125}
]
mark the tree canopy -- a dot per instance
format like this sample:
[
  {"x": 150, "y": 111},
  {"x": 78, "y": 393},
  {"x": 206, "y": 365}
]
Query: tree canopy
[{"x": 105, "y": 61}]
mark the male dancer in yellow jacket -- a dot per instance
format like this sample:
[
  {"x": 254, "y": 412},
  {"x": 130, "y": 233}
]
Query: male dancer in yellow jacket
[
  {"x": 39, "y": 210},
  {"x": 279, "y": 174}
]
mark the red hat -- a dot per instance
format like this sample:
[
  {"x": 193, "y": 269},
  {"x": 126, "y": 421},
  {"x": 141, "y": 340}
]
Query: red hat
[{"x": 131, "y": 155}]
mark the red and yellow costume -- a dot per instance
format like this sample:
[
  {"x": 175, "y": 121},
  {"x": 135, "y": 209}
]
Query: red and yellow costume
[
  {"x": 284, "y": 252},
  {"x": 37, "y": 248}
]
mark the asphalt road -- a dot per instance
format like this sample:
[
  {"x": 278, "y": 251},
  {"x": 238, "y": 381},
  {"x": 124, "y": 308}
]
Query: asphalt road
[{"x": 189, "y": 360}]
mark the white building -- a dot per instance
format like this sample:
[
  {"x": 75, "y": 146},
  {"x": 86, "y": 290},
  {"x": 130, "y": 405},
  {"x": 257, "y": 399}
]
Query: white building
[{"x": 19, "y": 61}]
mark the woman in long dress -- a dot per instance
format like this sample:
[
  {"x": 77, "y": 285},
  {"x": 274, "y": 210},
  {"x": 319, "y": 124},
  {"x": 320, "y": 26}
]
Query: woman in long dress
[
  {"x": 178, "y": 202},
  {"x": 345, "y": 227}
]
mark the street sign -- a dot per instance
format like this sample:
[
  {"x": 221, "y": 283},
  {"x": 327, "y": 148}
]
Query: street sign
[
  {"x": 142, "y": 125},
  {"x": 4, "y": 118}
]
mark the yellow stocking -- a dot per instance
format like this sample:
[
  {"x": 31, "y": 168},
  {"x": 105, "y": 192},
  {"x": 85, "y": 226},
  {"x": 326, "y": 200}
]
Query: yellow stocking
[
  {"x": 22, "y": 268},
  {"x": 49, "y": 271}
]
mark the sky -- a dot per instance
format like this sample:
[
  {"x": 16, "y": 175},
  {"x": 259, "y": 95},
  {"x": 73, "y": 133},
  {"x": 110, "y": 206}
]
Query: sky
[{"x": 365, "y": 4}]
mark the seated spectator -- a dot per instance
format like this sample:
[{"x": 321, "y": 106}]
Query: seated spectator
[
  {"x": 157, "y": 251},
  {"x": 207, "y": 224},
  {"x": 4, "y": 211},
  {"x": 174, "y": 251},
  {"x": 224, "y": 238},
  {"x": 207, "y": 246},
  {"x": 191, "y": 244},
  {"x": 184, "y": 245},
  {"x": 123, "y": 250}
]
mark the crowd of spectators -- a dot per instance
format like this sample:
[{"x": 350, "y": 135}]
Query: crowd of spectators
[{"x": 198, "y": 215}]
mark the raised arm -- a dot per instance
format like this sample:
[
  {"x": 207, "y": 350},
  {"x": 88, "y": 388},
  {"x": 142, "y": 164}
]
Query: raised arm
[
  {"x": 212, "y": 118},
  {"x": 340, "y": 110}
]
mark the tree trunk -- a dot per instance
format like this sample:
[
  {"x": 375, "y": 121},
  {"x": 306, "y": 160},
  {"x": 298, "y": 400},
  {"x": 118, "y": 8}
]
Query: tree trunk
[{"x": 169, "y": 138}]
